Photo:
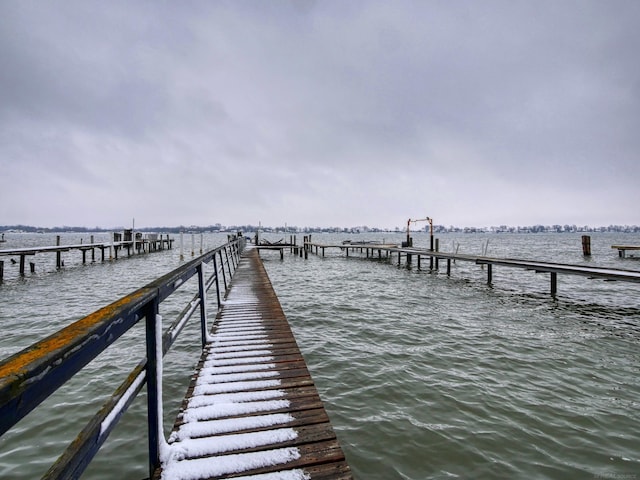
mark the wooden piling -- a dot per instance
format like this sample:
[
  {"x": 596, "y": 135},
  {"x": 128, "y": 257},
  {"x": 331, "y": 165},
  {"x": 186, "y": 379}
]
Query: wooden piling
[
  {"x": 58, "y": 254},
  {"x": 1, "y": 270},
  {"x": 586, "y": 245}
]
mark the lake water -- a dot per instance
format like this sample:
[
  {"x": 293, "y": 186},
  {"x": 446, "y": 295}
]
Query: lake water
[{"x": 424, "y": 376}]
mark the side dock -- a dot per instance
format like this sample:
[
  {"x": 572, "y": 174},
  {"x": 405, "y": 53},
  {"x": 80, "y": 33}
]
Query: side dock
[
  {"x": 410, "y": 253},
  {"x": 252, "y": 407},
  {"x": 150, "y": 243}
]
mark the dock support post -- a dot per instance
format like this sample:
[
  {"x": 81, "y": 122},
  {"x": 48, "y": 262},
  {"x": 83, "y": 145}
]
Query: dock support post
[
  {"x": 1, "y": 270},
  {"x": 419, "y": 258},
  {"x": 22, "y": 265},
  {"x": 554, "y": 283},
  {"x": 586, "y": 245},
  {"x": 282, "y": 253},
  {"x": 93, "y": 251},
  {"x": 32, "y": 267},
  {"x": 58, "y": 254},
  {"x": 489, "y": 274},
  {"x": 448, "y": 266},
  {"x": 437, "y": 250}
]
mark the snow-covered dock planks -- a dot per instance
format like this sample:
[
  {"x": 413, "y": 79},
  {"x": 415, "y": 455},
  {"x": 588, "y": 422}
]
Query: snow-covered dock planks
[{"x": 252, "y": 410}]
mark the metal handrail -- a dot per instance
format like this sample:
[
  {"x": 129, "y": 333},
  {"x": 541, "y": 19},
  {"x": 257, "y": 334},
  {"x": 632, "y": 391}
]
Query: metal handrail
[{"x": 28, "y": 377}]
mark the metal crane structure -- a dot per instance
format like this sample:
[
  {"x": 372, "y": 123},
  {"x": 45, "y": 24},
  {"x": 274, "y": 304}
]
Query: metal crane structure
[{"x": 427, "y": 219}]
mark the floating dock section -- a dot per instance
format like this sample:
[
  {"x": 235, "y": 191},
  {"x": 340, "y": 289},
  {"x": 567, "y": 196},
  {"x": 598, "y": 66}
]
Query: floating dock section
[{"x": 252, "y": 410}]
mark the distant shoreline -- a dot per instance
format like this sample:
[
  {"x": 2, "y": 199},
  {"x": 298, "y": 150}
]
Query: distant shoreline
[{"x": 19, "y": 229}]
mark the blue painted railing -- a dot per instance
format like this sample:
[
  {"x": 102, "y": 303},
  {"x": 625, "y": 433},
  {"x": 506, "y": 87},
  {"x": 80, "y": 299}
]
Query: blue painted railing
[{"x": 33, "y": 374}]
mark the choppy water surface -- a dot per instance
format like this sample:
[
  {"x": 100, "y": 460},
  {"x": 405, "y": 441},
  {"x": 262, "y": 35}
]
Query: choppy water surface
[{"x": 423, "y": 375}]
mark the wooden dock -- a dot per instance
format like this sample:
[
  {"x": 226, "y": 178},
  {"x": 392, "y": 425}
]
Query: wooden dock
[
  {"x": 252, "y": 410},
  {"x": 622, "y": 249},
  {"x": 150, "y": 244},
  {"x": 411, "y": 253}
]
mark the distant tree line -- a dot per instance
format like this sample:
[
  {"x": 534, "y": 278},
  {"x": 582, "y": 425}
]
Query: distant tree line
[{"x": 360, "y": 229}]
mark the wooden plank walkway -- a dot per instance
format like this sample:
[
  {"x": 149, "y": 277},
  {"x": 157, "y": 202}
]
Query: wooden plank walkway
[{"x": 252, "y": 410}]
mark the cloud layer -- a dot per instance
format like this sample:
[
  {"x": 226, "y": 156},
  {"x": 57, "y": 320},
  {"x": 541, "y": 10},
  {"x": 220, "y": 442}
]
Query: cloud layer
[{"x": 319, "y": 113}]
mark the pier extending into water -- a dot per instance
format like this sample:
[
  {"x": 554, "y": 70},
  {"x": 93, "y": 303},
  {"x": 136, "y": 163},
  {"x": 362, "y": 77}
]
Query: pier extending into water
[
  {"x": 411, "y": 254},
  {"x": 252, "y": 407},
  {"x": 143, "y": 244}
]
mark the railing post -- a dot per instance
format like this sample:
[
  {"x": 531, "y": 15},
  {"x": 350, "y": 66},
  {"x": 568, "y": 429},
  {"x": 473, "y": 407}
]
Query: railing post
[
  {"x": 226, "y": 254},
  {"x": 224, "y": 275},
  {"x": 154, "y": 385},
  {"x": 202, "y": 292},
  {"x": 215, "y": 268}
]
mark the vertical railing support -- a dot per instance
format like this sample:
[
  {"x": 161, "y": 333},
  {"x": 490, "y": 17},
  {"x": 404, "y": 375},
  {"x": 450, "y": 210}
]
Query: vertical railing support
[
  {"x": 154, "y": 384},
  {"x": 226, "y": 254},
  {"x": 217, "y": 276},
  {"x": 224, "y": 275},
  {"x": 202, "y": 293}
]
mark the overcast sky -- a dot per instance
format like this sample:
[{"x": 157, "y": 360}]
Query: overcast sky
[{"x": 327, "y": 113}]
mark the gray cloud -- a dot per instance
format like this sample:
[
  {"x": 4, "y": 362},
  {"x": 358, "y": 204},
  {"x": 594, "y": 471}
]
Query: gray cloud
[{"x": 319, "y": 113}]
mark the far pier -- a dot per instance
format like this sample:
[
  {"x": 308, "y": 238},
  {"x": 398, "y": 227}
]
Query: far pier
[{"x": 137, "y": 243}]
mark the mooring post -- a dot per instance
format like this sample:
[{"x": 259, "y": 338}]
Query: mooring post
[
  {"x": 489, "y": 273},
  {"x": 58, "y": 253},
  {"x": 32, "y": 267},
  {"x": 22, "y": 265},
  {"x": 437, "y": 250},
  {"x": 448, "y": 266},
  {"x": 1, "y": 270},
  {"x": 554, "y": 283},
  {"x": 586, "y": 245}
]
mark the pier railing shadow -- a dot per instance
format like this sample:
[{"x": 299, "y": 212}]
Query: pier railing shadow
[{"x": 33, "y": 374}]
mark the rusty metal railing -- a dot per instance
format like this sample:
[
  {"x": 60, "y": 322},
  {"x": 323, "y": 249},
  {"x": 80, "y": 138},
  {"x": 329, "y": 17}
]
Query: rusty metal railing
[{"x": 33, "y": 374}]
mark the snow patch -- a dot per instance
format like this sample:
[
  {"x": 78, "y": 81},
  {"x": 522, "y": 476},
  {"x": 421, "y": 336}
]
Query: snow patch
[
  {"x": 226, "y": 464},
  {"x": 221, "y": 410},
  {"x": 235, "y": 387},
  {"x": 227, "y": 425}
]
